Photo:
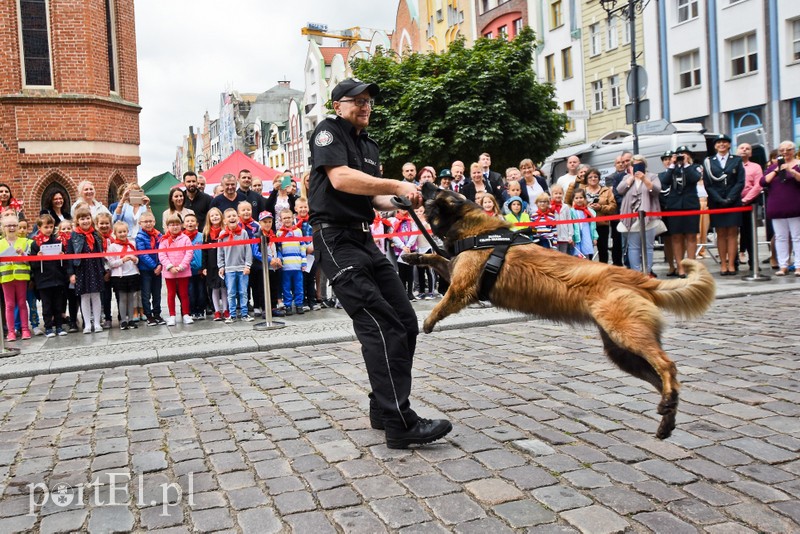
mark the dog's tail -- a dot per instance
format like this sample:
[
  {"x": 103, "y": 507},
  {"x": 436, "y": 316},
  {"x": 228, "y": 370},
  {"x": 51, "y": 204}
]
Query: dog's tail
[{"x": 688, "y": 297}]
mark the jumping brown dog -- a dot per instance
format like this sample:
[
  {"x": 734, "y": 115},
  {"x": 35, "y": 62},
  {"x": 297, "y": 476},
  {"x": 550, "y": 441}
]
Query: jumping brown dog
[{"x": 624, "y": 304}]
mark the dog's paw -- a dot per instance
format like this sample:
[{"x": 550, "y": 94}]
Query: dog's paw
[
  {"x": 412, "y": 258},
  {"x": 427, "y": 325}
]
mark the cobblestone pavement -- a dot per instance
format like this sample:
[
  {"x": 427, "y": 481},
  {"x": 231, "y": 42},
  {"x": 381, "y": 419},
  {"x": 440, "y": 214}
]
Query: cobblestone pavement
[{"x": 548, "y": 437}]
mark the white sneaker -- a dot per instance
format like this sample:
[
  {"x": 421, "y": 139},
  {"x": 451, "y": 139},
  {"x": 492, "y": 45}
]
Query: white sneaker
[
  {"x": 171, "y": 320},
  {"x": 38, "y": 331},
  {"x": 257, "y": 312},
  {"x": 187, "y": 319},
  {"x": 87, "y": 329},
  {"x": 98, "y": 327}
]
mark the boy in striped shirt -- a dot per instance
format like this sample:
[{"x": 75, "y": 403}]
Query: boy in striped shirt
[{"x": 293, "y": 257}]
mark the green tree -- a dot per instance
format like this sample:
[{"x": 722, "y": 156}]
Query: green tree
[{"x": 436, "y": 108}]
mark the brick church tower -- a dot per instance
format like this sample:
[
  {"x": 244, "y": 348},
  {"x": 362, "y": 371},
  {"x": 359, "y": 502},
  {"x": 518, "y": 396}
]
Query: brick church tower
[{"x": 68, "y": 98}]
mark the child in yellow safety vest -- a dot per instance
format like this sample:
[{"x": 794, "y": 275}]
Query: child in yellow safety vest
[{"x": 14, "y": 276}]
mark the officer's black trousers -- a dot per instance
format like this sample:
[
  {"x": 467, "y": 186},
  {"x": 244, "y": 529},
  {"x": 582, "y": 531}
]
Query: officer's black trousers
[{"x": 370, "y": 291}]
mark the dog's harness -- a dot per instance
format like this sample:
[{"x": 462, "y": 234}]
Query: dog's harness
[{"x": 500, "y": 241}]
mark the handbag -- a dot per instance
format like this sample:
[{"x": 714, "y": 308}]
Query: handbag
[{"x": 658, "y": 225}]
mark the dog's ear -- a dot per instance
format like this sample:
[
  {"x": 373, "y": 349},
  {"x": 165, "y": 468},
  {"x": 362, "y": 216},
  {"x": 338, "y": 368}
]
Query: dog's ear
[{"x": 429, "y": 191}]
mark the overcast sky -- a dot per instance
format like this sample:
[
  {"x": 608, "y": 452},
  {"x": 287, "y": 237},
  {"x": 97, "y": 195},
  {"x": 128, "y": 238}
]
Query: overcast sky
[{"x": 192, "y": 50}]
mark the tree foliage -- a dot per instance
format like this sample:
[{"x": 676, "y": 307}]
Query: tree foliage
[{"x": 437, "y": 108}]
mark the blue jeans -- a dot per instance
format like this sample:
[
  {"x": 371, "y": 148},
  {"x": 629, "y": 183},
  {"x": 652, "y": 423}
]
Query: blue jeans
[
  {"x": 236, "y": 284},
  {"x": 635, "y": 249},
  {"x": 197, "y": 294},
  {"x": 292, "y": 287},
  {"x": 151, "y": 289}
]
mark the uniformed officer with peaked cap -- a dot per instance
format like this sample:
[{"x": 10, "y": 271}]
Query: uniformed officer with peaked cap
[{"x": 344, "y": 187}]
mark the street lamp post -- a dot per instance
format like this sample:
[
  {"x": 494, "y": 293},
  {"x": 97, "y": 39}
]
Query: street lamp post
[{"x": 628, "y": 10}]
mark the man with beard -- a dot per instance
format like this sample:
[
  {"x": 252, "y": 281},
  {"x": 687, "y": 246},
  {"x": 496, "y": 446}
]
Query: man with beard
[
  {"x": 195, "y": 199},
  {"x": 345, "y": 189}
]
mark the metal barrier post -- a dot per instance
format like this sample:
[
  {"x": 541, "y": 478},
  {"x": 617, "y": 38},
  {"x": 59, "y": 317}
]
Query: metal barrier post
[
  {"x": 756, "y": 276},
  {"x": 643, "y": 238},
  {"x": 269, "y": 324}
]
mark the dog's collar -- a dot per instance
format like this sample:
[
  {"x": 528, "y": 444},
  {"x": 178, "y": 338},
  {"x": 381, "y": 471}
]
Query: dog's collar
[{"x": 501, "y": 236}]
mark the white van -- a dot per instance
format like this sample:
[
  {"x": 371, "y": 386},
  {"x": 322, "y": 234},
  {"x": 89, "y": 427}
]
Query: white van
[{"x": 602, "y": 153}]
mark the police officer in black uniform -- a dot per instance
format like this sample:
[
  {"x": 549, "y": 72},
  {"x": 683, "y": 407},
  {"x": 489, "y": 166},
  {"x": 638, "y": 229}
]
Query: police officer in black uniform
[
  {"x": 723, "y": 177},
  {"x": 344, "y": 187}
]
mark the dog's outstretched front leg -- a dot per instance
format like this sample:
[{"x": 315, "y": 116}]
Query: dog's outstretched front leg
[
  {"x": 449, "y": 305},
  {"x": 438, "y": 263}
]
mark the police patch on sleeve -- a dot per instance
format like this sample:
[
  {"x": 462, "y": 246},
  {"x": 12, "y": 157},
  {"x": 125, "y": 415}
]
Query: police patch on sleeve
[{"x": 323, "y": 138}]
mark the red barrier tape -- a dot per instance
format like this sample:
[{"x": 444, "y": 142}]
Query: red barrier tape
[{"x": 254, "y": 241}]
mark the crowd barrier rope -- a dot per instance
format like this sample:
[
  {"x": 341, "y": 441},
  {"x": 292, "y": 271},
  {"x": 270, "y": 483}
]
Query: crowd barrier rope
[{"x": 254, "y": 241}]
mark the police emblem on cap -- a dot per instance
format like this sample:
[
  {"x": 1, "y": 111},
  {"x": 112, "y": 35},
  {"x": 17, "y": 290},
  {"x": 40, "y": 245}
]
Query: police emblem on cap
[{"x": 323, "y": 138}]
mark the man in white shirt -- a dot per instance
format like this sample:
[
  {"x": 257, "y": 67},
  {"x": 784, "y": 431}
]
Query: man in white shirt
[{"x": 573, "y": 162}]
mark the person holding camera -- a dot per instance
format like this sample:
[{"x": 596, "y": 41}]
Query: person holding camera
[
  {"x": 639, "y": 190},
  {"x": 724, "y": 180},
  {"x": 783, "y": 205},
  {"x": 680, "y": 180}
]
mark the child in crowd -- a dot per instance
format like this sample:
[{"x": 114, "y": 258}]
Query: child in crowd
[
  {"x": 30, "y": 294},
  {"x": 125, "y": 278},
  {"x": 214, "y": 282},
  {"x": 87, "y": 274},
  {"x": 234, "y": 265},
  {"x": 544, "y": 222},
  {"x": 149, "y": 238},
  {"x": 49, "y": 278},
  {"x": 71, "y": 302},
  {"x": 176, "y": 267},
  {"x": 255, "y": 283},
  {"x": 489, "y": 205},
  {"x": 561, "y": 212},
  {"x": 378, "y": 227},
  {"x": 401, "y": 222},
  {"x": 585, "y": 233},
  {"x": 14, "y": 276},
  {"x": 265, "y": 220},
  {"x": 293, "y": 260},
  {"x": 424, "y": 273},
  {"x": 197, "y": 286},
  {"x": 516, "y": 213},
  {"x": 309, "y": 275},
  {"x": 103, "y": 221},
  {"x": 512, "y": 190}
]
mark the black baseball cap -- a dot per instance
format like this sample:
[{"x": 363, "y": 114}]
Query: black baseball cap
[
  {"x": 666, "y": 155},
  {"x": 353, "y": 87},
  {"x": 683, "y": 149}
]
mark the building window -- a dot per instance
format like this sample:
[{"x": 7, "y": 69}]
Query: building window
[
  {"x": 612, "y": 33},
  {"x": 502, "y": 32},
  {"x": 566, "y": 62},
  {"x": 485, "y": 6},
  {"x": 595, "y": 40},
  {"x": 550, "y": 68},
  {"x": 744, "y": 55},
  {"x": 111, "y": 37},
  {"x": 488, "y": 35},
  {"x": 518, "y": 27},
  {"x": 796, "y": 40},
  {"x": 615, "y": 91},
  {"x": 569, "y": 106},
  {"x": 35, "y": 42},
  {"x": 687, "y": 10},
  {"x": 556, "y": 14},
  {"x": 626, "y": 32},
  {"x": 598, "y": 102},
  {"x": 688, "y": 70}
]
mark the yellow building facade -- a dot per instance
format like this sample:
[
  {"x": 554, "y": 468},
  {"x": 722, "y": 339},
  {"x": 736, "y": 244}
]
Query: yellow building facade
[
  {"x": 444, "y": 21},
  {"x": 606, "y": 63}
]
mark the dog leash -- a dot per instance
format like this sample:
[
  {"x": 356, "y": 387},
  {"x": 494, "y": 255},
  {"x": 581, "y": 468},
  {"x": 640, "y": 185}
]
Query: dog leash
[{"x": 405, "y": 204}]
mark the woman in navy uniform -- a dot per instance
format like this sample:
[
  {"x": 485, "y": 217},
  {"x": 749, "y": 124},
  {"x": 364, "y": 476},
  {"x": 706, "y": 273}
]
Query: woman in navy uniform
[
  {"x": 344, "y": 187},
  {"x": 723, "y": 176},
  {"x": 679, "y": 181}
]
